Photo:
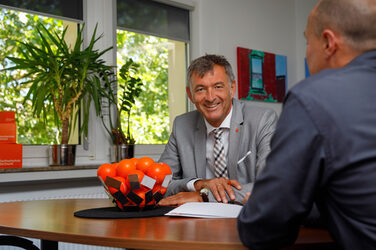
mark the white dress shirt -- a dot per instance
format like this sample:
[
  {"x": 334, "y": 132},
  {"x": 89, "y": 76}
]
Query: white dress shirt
[{"x": 210, "y": 140}]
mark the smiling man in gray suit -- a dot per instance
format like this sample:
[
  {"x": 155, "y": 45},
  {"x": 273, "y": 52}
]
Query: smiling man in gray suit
[{"x": 216, "y": 167}]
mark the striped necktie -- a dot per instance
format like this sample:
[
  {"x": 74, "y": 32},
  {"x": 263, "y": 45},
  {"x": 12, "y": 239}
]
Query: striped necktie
[{"x": 220, "y": 169}]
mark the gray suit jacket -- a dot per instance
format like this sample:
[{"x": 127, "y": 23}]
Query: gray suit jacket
[{"x": 251, "y": 129}]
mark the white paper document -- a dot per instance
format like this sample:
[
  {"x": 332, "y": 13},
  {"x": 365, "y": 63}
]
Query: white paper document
[{"x": 206, "y": 210}]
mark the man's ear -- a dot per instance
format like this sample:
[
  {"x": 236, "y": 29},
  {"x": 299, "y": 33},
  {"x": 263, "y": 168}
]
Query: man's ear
[
  {"x": 330, "y": 42},
  {"x": 233, "y": 88},
  {"x": 188, "y": 89}
]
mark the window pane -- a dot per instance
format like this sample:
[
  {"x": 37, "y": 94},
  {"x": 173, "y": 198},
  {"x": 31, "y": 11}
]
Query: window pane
[
  {"x": 20, "y": 26},
  {"x": 150, "y": 116}
]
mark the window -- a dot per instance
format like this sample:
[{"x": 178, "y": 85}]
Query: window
[
  {"x": 159, "y": 61},
  {"x": 256, "y": 73},
  {"x": 155, "y": 36},
  {"x": 18, "y": 26}
]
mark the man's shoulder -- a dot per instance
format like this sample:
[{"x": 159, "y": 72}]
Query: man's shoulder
[
  {"x": 253, "y": 115},
  {"x": 250, "y": 109},
  {"x": 327, "y": 91},
  {"x": 188, "y": 118},
  {"x": 337, "y": 81},
  {"x": 312, "y": 82},
  {"x": 328, "y": 79}
]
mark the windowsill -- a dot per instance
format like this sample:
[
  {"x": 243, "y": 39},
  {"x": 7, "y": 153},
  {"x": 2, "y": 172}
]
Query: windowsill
[
  {"x": 12, "y": 175},
  {"x": 36, "y": 171},
  {"x": 49, "y": 168}
]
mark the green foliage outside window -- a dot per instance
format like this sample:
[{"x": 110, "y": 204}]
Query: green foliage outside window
[{"x": 150, "y": 116}]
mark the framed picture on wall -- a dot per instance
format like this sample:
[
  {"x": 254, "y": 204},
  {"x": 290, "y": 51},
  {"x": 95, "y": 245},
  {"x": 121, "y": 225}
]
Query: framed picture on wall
[{"x": 262, "y": 76}]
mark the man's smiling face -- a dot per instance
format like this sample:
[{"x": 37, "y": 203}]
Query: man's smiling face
[{"x": 212, "y": 94}]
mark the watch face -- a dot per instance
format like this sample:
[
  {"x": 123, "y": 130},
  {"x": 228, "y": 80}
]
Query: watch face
[
  {"x": 205, "y": 191},
  {"x": 204, "y": 194}
]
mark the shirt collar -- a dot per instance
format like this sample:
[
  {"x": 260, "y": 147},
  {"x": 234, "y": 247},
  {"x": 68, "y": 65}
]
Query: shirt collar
[{"x": 225, "y": 124}]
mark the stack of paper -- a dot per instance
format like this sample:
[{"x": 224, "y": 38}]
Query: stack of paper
[{"x": 206, "y": 210}]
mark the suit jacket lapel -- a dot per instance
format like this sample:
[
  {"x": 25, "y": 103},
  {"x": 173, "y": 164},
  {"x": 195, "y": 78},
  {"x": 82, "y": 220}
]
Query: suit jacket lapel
[
  {"x": 200, "y": 148},
  {"x": 235, "y": 136}
]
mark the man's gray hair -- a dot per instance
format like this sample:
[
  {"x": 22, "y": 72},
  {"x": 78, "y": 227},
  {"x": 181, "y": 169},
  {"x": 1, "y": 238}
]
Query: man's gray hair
[
  {"x": 355, "y": 20},
  {"x": 204, "y": 64}
]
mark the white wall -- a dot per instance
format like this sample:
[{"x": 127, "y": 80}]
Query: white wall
[
  {"x": 219, "y": 26},
  {"x": 302, "y": 10}
]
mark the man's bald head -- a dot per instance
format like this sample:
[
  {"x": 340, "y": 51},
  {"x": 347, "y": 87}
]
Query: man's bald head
[{"x": 354, "y": 20}]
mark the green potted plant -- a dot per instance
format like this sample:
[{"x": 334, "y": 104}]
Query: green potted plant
[
  {"x": 129, "y": 88},
  {"x": 59, "y": 77}
]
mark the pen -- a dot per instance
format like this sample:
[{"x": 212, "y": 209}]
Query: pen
[{"x": 242, "y": 159}]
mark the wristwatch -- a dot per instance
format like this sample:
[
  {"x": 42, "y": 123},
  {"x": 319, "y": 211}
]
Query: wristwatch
[{"x": 204, "y": 192}]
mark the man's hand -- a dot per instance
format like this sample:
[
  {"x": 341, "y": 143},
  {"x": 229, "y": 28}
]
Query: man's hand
[
  {"x": 219, "y": 187},
  {"x": 180, "y": 198}
]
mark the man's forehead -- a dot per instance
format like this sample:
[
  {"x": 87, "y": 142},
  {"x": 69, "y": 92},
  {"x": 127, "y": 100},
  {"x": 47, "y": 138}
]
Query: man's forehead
[
  {"x": 209, "y": 76},
  {"x": 202, "y": 74}
]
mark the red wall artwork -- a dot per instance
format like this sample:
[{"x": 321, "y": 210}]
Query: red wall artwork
[{"x": 262, "y": 76}]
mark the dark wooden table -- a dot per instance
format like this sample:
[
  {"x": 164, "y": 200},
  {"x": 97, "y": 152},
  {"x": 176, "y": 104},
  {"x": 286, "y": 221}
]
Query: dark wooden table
[{"x": 53, "y": 221}]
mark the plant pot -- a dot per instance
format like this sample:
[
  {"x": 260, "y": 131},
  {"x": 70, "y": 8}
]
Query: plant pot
[
  {"x": 62, "y": 155},
  {"x": 121, "y": 151}
]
